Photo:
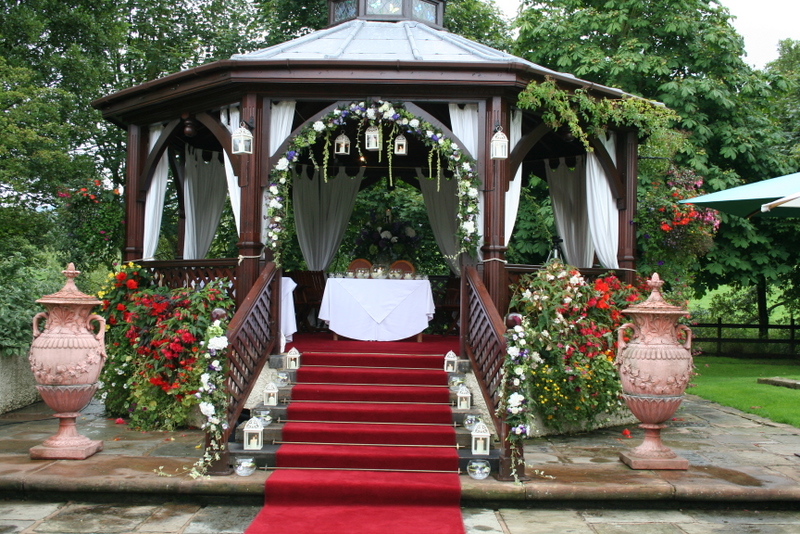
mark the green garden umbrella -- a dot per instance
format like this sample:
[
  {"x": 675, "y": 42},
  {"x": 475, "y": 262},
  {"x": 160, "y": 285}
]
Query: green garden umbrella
[{"x": 776, "y": 197}]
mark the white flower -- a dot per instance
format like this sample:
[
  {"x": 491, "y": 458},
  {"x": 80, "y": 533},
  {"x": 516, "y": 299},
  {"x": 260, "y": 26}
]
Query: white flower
[
  {"x": 575, "y": 280},
  {"x": 370, "y": 113},
  {"x": 515, "y": 400},
  {"x": 274, "y": 203},
  {"x": 319, "y": 126},
  {"x": 518, "y": 328},
  {"x": 404, "y": 121},
  {"x": 386, "y": 234},
  {"x": 513, "y": 351},
  {"x": 468, "y": 227},
  {"x": 429, "y": 133},
  {"x": 273, "y": 189},
  {"x": 567, "y": 300},
  {"x": 519, "y": 370},
  {"x": 337, "y": 112},
  {"x": 383, "y": 107},
  {"x": 388, "y": 114},
  {"x": 466, "y": 166},
  {"x": 472, "y": 192},
  {"x": 282, "y": 164},
  {"x": 454, "y": 146},
  {"x": 207, "y": 409},
  {"x": 414, "y": 123},
  {"x": 217, "y": 343}
]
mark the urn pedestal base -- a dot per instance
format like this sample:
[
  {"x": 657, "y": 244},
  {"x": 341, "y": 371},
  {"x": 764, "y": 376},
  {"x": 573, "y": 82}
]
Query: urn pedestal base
[
  {"x": 652, "y": 453},
  {"x": 67, "y": 443}
]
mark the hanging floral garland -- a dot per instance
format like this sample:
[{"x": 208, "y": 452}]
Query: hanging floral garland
[{"x": 395, "y": 120}]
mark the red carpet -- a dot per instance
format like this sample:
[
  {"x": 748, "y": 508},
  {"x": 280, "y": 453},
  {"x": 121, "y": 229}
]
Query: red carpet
[{"x": 369, "y": 446}]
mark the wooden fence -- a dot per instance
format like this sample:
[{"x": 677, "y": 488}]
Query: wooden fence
[{"x": 766, "y": 339}]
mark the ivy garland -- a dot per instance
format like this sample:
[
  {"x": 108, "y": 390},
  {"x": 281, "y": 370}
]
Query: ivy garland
[
  {"x": 395, "y": 119},
  {"x": 586, "y": 116}
]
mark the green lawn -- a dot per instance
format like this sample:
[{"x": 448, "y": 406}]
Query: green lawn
[{"x": 733, "y": 382}]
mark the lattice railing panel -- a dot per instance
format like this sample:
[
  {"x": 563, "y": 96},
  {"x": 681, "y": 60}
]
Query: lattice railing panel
[{"x": 193, "y": 273}]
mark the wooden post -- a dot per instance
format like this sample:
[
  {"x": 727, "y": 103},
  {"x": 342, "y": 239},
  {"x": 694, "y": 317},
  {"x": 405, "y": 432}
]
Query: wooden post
[
  {"x": 627, "y": 154},
  {"x": 134, "y": 199}
]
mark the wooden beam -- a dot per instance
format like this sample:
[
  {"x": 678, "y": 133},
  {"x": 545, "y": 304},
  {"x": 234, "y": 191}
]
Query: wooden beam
[
  {"x": 524, "y": 146},
  {"x": 155, "y": 154}
]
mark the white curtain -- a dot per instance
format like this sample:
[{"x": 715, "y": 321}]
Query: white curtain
[
  {"x": 280, "y": 127},
  {"x": 230, "y": 118},
  {"x": 204, "y": 193},
  {"x": 515, "y": 186},
  {"x": 442, "y": 208},
  {"x": 321, "y": 213},
  {"x": 568, "y": 195},
  {"x": 465, "y": 121},
  {"x": 602, "y": 208},
  {"x": 154, "y": 205}
]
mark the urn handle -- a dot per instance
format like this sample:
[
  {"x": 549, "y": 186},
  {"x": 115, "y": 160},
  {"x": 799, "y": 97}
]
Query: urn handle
[
  {"x": 101, "y": 331},
  {"x": 36, "y": 318},
  {"x": 688, "y": 343},
  {"x": 621, "y": 338}
]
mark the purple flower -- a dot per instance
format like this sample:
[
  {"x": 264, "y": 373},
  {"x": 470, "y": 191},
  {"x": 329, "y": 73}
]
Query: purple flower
[{"x": 291, "y": 155}]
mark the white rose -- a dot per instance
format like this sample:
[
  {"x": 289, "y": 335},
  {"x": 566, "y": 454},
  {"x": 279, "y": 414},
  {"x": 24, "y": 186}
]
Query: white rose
[
  {"x": 218, "y": 343},
  {"x": 414, "y": 123},
  {"x": 273, "y": 189},
  {"x": 519, "y": 370},
  {"x": 370, "y": 113},
  {"x": 386, "y": 234},
  {"x": 282, "y": 164},
  {"x": 472, "y": 192},
  {"x": 319, "y": 126},
  {"x": 468, "y": 227},
  {"x": 207, "y": 409},
  {"x": 274, "y": 203},
  {"x": 466, "y": 166},
  {"x": 515, "y": 399},
  {"x": 513, "y": 351},
  {"x": 454, "y": 146}
]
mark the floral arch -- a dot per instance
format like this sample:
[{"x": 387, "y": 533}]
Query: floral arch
[{"x": 392, "y": 119}]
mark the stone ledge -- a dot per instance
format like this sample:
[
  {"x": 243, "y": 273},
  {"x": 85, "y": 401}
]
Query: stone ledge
[{"x": 778, "y": 381}]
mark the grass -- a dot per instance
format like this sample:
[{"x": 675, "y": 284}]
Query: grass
[{"x": 733, "y": 382}]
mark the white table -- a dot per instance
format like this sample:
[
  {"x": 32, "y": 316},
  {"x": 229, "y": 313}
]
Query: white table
[
  {"x": 288, "y": 319},
  {"x": 377, "y": 310}
]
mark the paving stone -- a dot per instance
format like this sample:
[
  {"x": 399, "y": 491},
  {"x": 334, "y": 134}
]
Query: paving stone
[
  {"x": 737, "y": 516},
  {"x": 91, "y": 518},
  {"x": 705, "y": 528},
  {"x": 28, "y": 511},
  {"x": 222, "y": 520},
  {"x": 170, "y": 518},
  {"x": 635, "y": 516},
  {"x": 637, "y": 528},
  {"x": 481, "y": 521},
  {"x": 10, "y": 526},
  {"x": 544, "y": 522}
]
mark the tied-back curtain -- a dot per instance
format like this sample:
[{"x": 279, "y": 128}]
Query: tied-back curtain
[
  {"x": 321, "y": 213},
  {"x": 602, "y": 207},
  {"x": 465, "y": 122},
  {"x": 230, "y": 119},
  {"x": 204, "y": 193},
  {"x": 154, "y": 205},
  {"x": 568, "y": 195},
  {"x": 442, "y": 206},
  {"x": 515, "y": 187},
  {"x": 280, "y": 127}
]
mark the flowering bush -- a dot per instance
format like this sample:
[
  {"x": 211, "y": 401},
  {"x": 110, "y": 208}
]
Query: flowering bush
[
  {"x": 673, "y": 236},
  {"x": 154, "y": 338},
  {"x": 392, "y": 119},
  {"x": 560, "y": 358}
]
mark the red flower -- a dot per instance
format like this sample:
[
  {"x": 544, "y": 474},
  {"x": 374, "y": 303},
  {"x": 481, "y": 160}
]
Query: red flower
[
  {"x": 121, "y": 276},
  {"x": 132, "y": 284},
  {"x": 120, "y": 307}
]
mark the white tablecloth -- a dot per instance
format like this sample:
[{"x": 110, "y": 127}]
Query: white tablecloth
[
  {"x": 288, "y": 319},
  {"x": 377, "y": 310}
]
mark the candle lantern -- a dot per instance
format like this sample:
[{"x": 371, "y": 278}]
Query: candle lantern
[
  {"x": 400, "y": 145},
  {"x": 372, "y": 138},
  {"x": 341, "y": 145},
  {"x": 271, "y": 395},
  {"x": 450, "y": 361},
  {"x": 499, "y": 145},
  {"x": 464, "y": 398},
  {"x": 253, "y": 437},
  {"x": 242, "y": 140},
  {"x": 283, "y": 379},
  {"x": 480, "y": 440},
  {"x": 455, "y": 382},
  {"x": 293, "y": 359}
]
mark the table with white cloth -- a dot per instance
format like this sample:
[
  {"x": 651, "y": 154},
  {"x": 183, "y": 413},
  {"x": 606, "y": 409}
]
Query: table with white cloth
[
  {"x": 377, "y": 309},
  {"x": 288, "y": 319}
]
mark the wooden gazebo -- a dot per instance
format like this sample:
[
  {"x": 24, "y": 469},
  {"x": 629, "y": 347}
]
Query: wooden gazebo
[{"x": 399, "y": 53}]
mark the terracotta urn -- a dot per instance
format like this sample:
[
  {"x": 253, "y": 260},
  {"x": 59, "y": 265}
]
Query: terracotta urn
[
  {"x": 66, "y": 358},
  {"x": 655, "y": 367}
]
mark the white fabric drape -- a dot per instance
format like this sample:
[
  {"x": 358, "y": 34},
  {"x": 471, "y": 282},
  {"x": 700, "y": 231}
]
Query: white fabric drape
[
  {"x": 154, "y": 205},
  {"x": 280, "y": 124},
  {"x": 602, "y": 208},
  {"x": 204, "y": 193},
  {"x": 515, "y": 187},
  {"x": 230, "y": 118},
  {"x": 568, "y": 195},
  {"x": 321, "y": 213},
  {"x": 442, "y": 208},
  {"x": 465, "y": 122}
]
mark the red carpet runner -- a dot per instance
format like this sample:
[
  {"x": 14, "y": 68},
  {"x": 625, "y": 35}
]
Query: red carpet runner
[{"x": 369, "y": 448}]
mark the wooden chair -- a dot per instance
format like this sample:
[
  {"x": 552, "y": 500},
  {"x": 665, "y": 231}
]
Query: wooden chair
[
  {"x": 308, "y": 297},
  {"x": 403, "y": 265},
  {"x": 359, "y": 263}
]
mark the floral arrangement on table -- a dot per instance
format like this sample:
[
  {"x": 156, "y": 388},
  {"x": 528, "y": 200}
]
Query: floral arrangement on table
[
  {"x": 387, "y": 242},
  {"x": 560, "y": 359},
  {"x": 156, "y": 364},
  {"x": 393, "y": 120},
  {"x": 672, "y": 236}
]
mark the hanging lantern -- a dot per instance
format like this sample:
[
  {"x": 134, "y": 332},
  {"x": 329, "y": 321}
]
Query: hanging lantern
[
  {"x": 242, "y": 140},
  {"x": 480, "y": 440},
  {"x": 400, "y": 145},
  {"x": 341, "y": 145},
  {"x": 253, "y": 437},
  {"x": 450, "y": 361},
  {"x": 271, "y": 395},
  {"x": 293, "y": 359},
  {"x": 464, "y": 398},
  {"x": 372, "y": 138},
  {"x": 499, "y": 144}
]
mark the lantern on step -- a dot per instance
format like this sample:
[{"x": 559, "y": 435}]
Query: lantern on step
[
  {"x": 293, "y": 359},
  {"x": 271, "y": 395},
  {"x": 480, "y": 440},
  {"x": 372, "y": 139},
  {"x": 253, "y": 436},
  {"x": 282, "y": 379},
  {"x": 242, "y": 140},
  {"x": 455, "y": 382},
  {"x": 464, "y": 398},
  {"x": 450, "y": 362},
  {"x": 341, "y": 145},
  {"x": 400, "y": 145},
  {"x": 499, "y": 145}
]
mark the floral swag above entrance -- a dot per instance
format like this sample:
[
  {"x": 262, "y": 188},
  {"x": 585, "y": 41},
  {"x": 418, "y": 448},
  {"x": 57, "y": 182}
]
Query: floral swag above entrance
[{"x": 392, "y": 120}]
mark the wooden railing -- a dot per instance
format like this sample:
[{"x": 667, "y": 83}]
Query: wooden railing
[
  {"x": 717, "y": 334},
  {"x": 193, "y": 273},
  {"x": 514, "y": 272},
  {"x": 483, "y": 340},
  {"x": 252, "y": 336}
]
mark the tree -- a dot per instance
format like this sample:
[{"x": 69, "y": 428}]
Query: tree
[{"x": 686, "y": 54}]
